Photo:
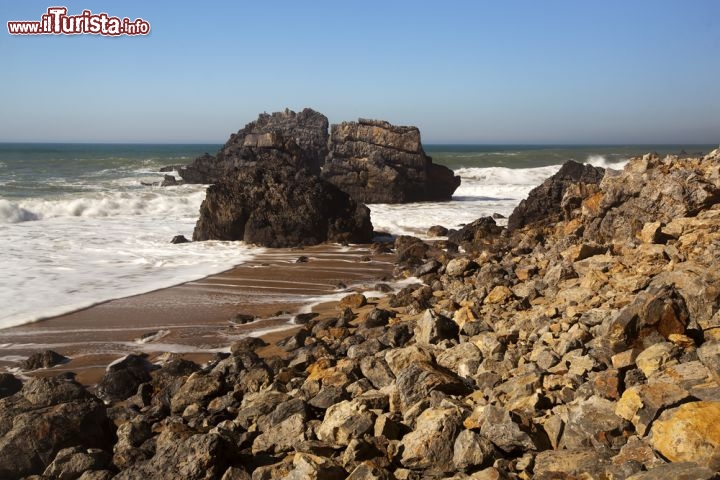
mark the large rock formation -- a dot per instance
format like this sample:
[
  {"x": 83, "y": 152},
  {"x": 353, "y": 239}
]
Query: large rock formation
[
  {"x": 376, "y": 162},
  {"x": 296, "y": 139},
  {"x": 651, "y": 189},
  {"x": 545, "y": 202},
  {"x": 280, "y": 207}
]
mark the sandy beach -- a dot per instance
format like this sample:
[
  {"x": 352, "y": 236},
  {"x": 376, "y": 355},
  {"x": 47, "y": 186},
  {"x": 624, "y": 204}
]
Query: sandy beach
[{"x": 195, "y": 318}]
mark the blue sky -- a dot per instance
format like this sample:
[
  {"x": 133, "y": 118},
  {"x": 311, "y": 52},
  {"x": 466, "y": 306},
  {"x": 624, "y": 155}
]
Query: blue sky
[{"x": 511, "y": 71}]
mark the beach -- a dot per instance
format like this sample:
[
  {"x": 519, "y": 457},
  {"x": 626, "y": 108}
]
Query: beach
[{"x": 195, "y": 319}]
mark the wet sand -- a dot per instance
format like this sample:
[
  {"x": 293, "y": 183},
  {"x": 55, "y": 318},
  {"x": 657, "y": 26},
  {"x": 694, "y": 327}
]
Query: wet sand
[{"x": 194, "y": 318}]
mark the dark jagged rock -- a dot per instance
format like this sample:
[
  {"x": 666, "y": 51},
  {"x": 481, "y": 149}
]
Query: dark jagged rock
[
  {"x": 123, "y": 378},
  {"x": 481, "y": 232},
  {"x": 9, "y": 384},
  {"x": 45, "y": 359},
  {"x": 179, "y": 239},
  {"x": 544, "y": 202},
  {"x": 281, "y": 207},
  {"x": 376, "y": 162},
  {"x": 288, "y": 138},
  {"x": 46, "y": 416}
]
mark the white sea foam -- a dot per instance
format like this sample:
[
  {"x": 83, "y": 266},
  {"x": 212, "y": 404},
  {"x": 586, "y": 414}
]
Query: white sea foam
[
  {"x": 483, "y": 192},
  {"x": 68, "y": 253}
]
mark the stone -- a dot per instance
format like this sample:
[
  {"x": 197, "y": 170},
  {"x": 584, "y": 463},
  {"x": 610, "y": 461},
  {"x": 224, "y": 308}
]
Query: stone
[
  {"x": 658, "y": 309},
  {"x": 122, "y": 378},
  {"x": 193, "y": 457},
  {"x": 131, "y": 436},
  {"x": 354, "y": 300},
  {"x": 433, "y": 328},
  {"x": 641, "y": 404},
  {"x": 592, "y": 422},
  {"x": 497, "y": 426},
  {"x": 199, "y": 387},
  {"x": 45, "y": 359},
  {"x": 471, "y": 450},
  {"x": 463, "y": 359},
  {"x": 280, "y": 207},
  {"x": 46, "y": 416},
  {"x": 236, "y": 473},
  {"x": 344, "y": 421},
  {"x": 377, "y": 371},
  {"x": 572, "y": 463},
  {"x": 400, "y": 358},
  {"x": 377, "y": 162},
  {"x": 689, "y": 433},
  {"x": 282, "y": 436},
  {"x": 297, "y": 140},
  {"x": 9, "y": 384},
  {"x": 676, "y": 471},
  {"x": 70, "y": 463},
  {"x": 458, "y": 266},
  {"x": 366, "y": 471},
  {"x": 178, "y": 239},
  {"x": 437, "y": 231},
  {"x": 419, "y": 379},
  {"x": 656, "y": 357},
  {"x": 473, "y": 236},
  {"x": 543, "y": 204},
  {"x": 308, "y": 466},
  {"x": 709, "y": 355},
  {"x": 499, "y": 294},
  {"x": 430, "y": 444}
]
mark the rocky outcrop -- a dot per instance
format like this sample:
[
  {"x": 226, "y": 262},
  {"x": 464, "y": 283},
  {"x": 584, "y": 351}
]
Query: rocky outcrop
[
  {"x": 545, "y": 202},
  {"x": 287, "y": 138},
  {"x": 376, "y": 162},
  {"x": 651, "y": 191},
  {"x": 280, "y": 207}
]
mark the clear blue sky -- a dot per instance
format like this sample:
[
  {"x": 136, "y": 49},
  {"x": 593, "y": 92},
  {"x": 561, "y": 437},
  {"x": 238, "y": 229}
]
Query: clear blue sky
[{"x": 505, "y": 71}]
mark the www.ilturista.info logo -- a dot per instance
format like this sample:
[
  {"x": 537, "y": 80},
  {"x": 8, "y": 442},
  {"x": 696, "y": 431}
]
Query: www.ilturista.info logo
[{"x": 57, "y": 22}]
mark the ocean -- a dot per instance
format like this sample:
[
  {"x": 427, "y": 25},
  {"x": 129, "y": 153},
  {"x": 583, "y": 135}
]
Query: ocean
[{"x": 86, "y": 223}]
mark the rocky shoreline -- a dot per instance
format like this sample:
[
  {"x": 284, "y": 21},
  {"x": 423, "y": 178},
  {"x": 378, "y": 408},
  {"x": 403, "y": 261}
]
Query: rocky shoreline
[{"x": 581, "y": 342}]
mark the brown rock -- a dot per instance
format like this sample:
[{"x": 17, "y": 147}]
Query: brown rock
[
  {"x": 690, "y": 433},
  {"x": 354, "y": 300}
]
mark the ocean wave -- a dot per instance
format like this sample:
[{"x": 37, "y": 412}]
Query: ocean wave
[
  {"x": 507, "y": 176},
  {"x": 182, "y": 201},
  {"x": 603, "y": 162}
]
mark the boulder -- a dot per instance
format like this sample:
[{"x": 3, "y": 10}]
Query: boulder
[
  {"x": 46, "y": 416},
  {"x": 543, "y": 204},
  {"x": 45, "y": 359},
  {"x": 9, "y": 384},
  {"x": 376, "y": 162},
  {"x": 690, "y": 433},
  {"x": 344, "y": 421},
  {"x": 71, "y": 463},
  {"x": 477, "y": 234},
  {"x": 197, "y": 457},
  {"x": 417, "y": 380},
  {"x": 430, "y": 444},
  {"x": 471, "y": 450},
  {"x": 298, "y": 140},
  {"x": 122, "y": 378},
  {"x": 280, "y": 207}
]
